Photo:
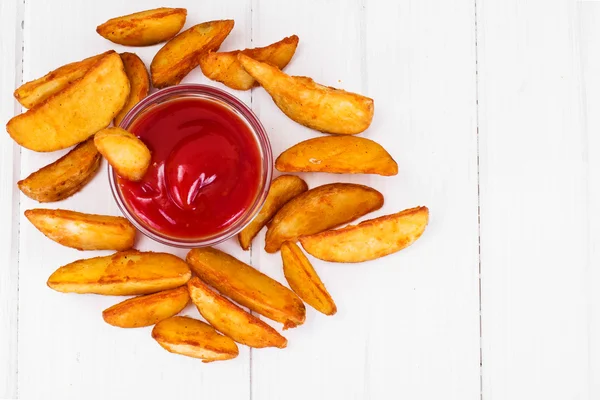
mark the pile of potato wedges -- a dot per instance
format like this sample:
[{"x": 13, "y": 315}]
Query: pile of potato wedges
[{"x": 75, "y": 105}]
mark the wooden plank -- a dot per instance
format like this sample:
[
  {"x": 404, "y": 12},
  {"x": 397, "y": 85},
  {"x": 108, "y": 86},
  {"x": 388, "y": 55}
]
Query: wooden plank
[
  {"x": 65, "y": 349},
  {"x": 535, "y": 218},
  {"x": 412, "y": 318}
]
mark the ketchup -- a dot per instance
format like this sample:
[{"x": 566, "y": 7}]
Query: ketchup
[{"x": 204, "y": 173}]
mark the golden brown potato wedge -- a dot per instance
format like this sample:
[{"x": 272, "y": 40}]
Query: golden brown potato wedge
[
  {"x": 224, "y": 67},
  {"x": 283, "y": 189},
  {"x": 339, "y": 155},
  {"x": 319, "y": 107},
  {"x": 193, "y": 338},
  {"x": 83, "y": 231},
  {"x": 35, "y": 92},
  {"x": 144, "y": 28},
  {"x": 319, "y": 209},
  {"x": 77, "y": 112},
  {"x": 304, "y": 281},
  {"x": 231, "y": 320},
  {"x": 139, "y": 81},
  {"x": 127, "y": 154},
  {"x": 125, "y": 273},
  {"x": 181, "y": 54},
  {"x": 65, "y": 176},
  {"x": 148, "y": 309},
  {"x": 370, "y": 239},
  {"x": 247, "y": 286}
]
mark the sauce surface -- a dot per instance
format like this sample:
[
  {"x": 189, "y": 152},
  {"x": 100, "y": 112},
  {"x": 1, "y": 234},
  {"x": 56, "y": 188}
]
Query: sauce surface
[{"x": 204, "y": 173}]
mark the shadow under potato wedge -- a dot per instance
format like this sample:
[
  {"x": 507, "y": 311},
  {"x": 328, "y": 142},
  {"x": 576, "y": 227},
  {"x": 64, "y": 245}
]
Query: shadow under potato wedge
[
  {"x": 322, "y": 108},
  {"x": 124, "y": 273},
  {"x": 231, "y": 319},
  {"x": 65, "y": 176},
  {"x": 370, "y": 239},
  {"x": 193, "y": 338},
  {"x": 247, "y": 286},
  {"x": 77, "y": 112},
  {"x": 144, "y": 28},
  {"x": 127, "y": 154},
  {"x": 139, "y": 79},
  {"x": 224, "y": 67},
  {"x": 320, "y": 209}
]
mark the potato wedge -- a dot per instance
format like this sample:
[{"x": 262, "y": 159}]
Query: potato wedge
[
  {"x": 320, "y": 209},
  {"x": 247, "y": 286},
  {"x": 339, "y": 155},
  {"x": 83, "y": 231},
  {"x": 35, "y": 92},
  {"x": 144, "y": 28},
  {"x": 232, "y": 320},
  {"x": 139, "y": 81},
  {"x": 65, "y": 176},
  {"x": 283, "y": 189},
  {"x": 127, "y": 154},
  {"x": 126, "y": 273},
  {"x": 77, "y": 112},
  {"x": 304, "y": 281},
  {"x": 193, "y": 338},
  {"x": 370, "y": 239},
  {"x": 148, "y": 309},
  {"x": 322, "y": 108},
  {"x": 224, "y": 67},
  {"x": 181, "y": 54}
]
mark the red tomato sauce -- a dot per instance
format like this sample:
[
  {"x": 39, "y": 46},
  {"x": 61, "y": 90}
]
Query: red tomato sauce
[{"x": 205, "y": 169}]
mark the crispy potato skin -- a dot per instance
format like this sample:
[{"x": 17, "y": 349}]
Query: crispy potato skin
[
  {"x": 35, "y": 92},
  {"x": 319, "y": 209},
  {"x": 283, "y": 189},
  {"x": 77, "y": 112},
  {"x": 232, "y": 320},
  {"x": 125, "y": 273},
  {"x": 182, "y": 53},
  {"x": 127, "y": 154},
  {"x": 322, "y": 108},
  {"x": 247, "y": 286},
  {"x": 144, "y": 28},
  {"x": 224, "y": 67},
  {"x": 339, "y": 155},
  {"x": 139, "y": 81},
  {"x": 65, "y": 176},
  {"x": 147, "y": 310},
  {"x": 370, "y": 239},
  {"x": 304, "y": 281},
  {"x": 193, "y": 338},
  {"x": 83, "y": 231}
]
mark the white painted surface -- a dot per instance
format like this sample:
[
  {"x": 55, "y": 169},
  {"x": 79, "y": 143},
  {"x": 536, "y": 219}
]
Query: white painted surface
[{"x": 408, "y": 325}]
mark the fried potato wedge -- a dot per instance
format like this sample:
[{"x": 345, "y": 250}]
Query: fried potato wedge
[
  {"x": 224, "y": 67},
  {"x": 370, "y": 239},
  {"x": 283, "y": 189},
  {"x": 144, "y": 28},
  {"x": 339, "y": 155},
  {"x": 139, "y": 81},
  {"x": 304, "y": 281},
  {"x": 126, "y": 273},
  {"x": 193, "y": 338},
  {"x": 322, "y": 108},
  {"x": 77, "y": 112},
  {"x": 247, "y": 286},
  {"x": 83, "y": 231},
  {"x": 35, "y": 92},
  {"x": 232, "y": 320},
  {"x": 320, "y": 209},
  {"x": 127, "y": 154},
  {"x": 148, "y": 309},
  {"x": 182, "y": 53},
  {"x": 65, "y": 176}
]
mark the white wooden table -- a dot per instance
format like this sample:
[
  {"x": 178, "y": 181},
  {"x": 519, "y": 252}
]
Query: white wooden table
[{"x": 492, "y": 110}]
